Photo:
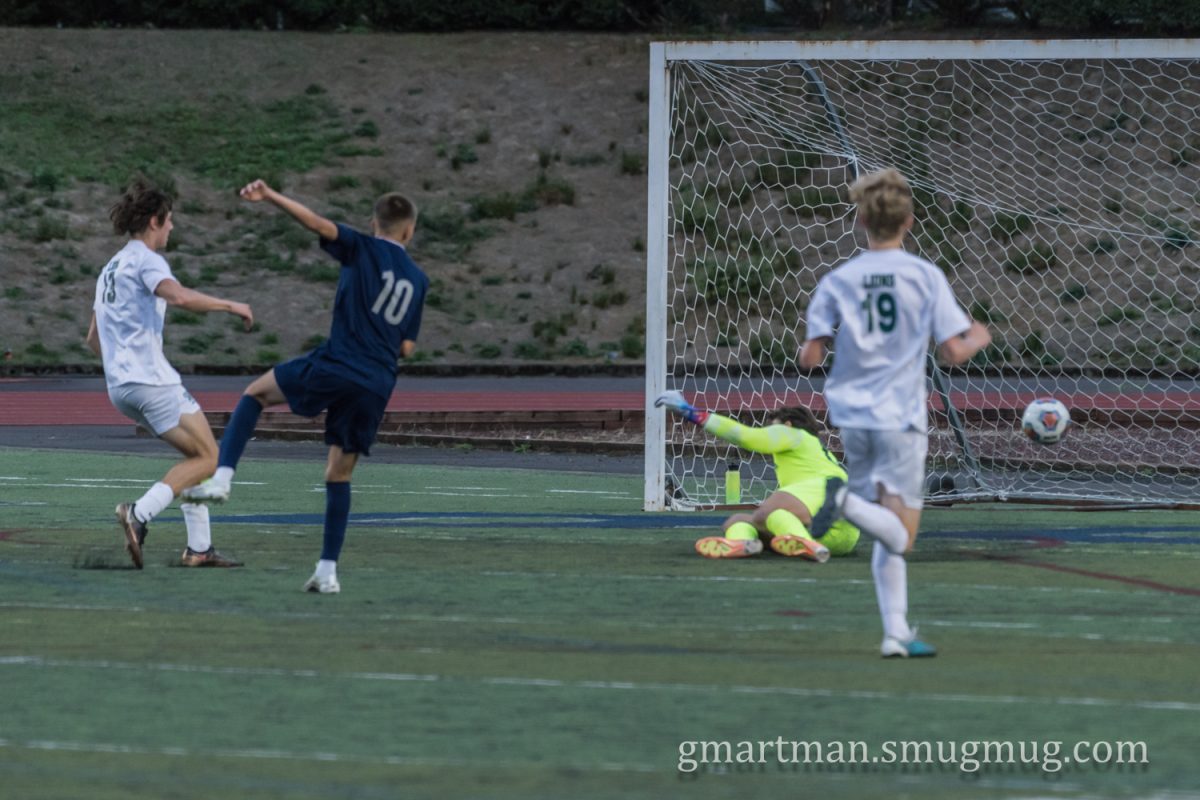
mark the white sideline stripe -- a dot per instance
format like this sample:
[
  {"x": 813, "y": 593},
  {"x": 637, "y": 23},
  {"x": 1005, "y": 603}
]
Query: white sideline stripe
[
  {"x": 623, "y": 686},
  {"x": 585, "y": 491},
  {"x": 289, "y": 755}
]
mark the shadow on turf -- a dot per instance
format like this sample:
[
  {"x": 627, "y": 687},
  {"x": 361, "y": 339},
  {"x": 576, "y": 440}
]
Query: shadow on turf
[{"x": 101, "y": 559}]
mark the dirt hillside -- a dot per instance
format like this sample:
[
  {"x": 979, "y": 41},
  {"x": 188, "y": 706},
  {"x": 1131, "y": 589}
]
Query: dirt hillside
[{"x": 524, "y": 151}]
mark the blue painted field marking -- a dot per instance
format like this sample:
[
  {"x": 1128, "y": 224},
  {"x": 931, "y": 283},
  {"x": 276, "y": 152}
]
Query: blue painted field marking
[
  {"x": 475, "y": 519},
  {"x": 1146, "y": 534}
]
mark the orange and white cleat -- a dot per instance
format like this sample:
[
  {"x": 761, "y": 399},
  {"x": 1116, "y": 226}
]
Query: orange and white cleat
[
  {"x": 135, "y": 532},
  {"x": 720, "y": 547},
  {"x": 800, "y": 547},
  {"x": 207, "y": 558}
]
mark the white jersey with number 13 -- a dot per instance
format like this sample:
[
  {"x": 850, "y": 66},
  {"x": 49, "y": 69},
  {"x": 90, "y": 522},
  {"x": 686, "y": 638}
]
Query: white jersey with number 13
[{"x": 129, "y": 318}]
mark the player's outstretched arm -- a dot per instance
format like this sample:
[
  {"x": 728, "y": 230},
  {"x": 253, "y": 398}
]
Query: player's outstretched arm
[
  {"x": 407, "y": 348},
  {"x": 960, "y": 349},
  {"x": 774, "y": 439},
  {"x": 189, "y": 299},
  {"x": 258, "y": 191}
]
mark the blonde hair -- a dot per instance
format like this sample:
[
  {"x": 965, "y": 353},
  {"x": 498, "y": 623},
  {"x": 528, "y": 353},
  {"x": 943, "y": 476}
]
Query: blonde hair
[{"x": 884, "y": 201}]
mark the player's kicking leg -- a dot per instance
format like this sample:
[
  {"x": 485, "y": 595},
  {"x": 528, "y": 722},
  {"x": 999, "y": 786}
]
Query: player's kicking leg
[
  {"x": 887, "y": 472},
  {"x": 338, "y": 470},
  {"x": 263, "y": 392}
]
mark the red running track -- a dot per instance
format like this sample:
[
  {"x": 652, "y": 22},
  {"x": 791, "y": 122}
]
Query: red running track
[{"x": 93, "y": 407}]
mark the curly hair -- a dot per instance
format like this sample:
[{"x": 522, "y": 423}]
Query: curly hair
[{"x": 140, "y": 203}]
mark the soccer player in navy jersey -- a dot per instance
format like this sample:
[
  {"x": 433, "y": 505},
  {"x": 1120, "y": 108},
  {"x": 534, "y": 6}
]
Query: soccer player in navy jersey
[{"x": 376, "y": 317}]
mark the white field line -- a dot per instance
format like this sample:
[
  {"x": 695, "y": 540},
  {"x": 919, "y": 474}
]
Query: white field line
[
  {"x": 441, "y": 619},
  {"x": 835, "y": 581},
  {"x": 1020, "y": 628},
  {"x": 466, "y": 488},
  {"x": 290, "y": 755},
  {"x": 110, "y": 480},
  {"x": 78, "y": 486},
  {"x": 944, "y": 623},
  {"x": 475, "y": 763},
  {"x": 618, "y": 686},
  {"x": 321, "y": 489},
  {"x": 144, "y": 481}
]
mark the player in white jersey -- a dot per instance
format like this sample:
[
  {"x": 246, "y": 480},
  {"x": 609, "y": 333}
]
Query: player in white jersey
[
  {"x": 879, "y": 311},
  {"x": 132, "y": 294}
]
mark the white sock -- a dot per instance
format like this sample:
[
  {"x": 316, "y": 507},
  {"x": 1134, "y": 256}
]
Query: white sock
[
  {"x": 195, "y": 517},
  {"x": 223, "y": 476},
  {"x": 326, "y": 568},
  {"x": 151, "y": 504},
  {"x": 891, "y": 590},
  {"x": 877, "y": 522}
]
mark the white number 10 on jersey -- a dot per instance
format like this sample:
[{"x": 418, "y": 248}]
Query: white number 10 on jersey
[{"x": 397, "y": 294}]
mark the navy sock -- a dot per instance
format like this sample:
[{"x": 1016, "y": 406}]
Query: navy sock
[
  {"x": 337, "y": 514},
  {"x": 238, "y": 431}
]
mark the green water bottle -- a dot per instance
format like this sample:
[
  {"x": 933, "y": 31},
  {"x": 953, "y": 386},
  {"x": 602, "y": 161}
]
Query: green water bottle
[{"x": 733, "y": 483}]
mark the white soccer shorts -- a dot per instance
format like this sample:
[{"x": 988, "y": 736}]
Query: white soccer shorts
[
  {"x": 155, "y": 408},
  {"x": 895, "y": 459}
]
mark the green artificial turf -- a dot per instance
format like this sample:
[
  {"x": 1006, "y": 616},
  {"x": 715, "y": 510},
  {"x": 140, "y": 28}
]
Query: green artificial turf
[{"x": 520, "y": 633}]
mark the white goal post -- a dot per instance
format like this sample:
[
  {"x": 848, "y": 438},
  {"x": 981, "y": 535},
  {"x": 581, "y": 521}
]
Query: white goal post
[{"x": 1057, "y": 183}]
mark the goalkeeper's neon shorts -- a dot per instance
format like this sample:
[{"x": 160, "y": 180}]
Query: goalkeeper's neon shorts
[{"x": 841, "y": 536}]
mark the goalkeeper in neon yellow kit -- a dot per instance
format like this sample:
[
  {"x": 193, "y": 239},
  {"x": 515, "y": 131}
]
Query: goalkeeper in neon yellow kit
[{"x": 807, "y": 473}]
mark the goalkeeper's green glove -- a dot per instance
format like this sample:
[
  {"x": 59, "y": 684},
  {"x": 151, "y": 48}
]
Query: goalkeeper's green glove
[{"x": 674, "y": 401}]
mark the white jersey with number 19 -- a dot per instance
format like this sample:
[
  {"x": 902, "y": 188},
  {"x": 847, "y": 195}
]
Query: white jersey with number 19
[
  {"x": 129, "y": 318},
  {"x": 881, "y": 308}
]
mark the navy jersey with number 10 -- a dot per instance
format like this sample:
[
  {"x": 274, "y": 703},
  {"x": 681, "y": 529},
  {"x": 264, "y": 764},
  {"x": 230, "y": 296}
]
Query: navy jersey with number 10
[{"x": 378, "y": 304}]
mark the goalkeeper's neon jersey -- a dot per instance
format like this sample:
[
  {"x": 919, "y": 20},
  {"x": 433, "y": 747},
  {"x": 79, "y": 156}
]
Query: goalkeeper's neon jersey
[{"x": 798, "y": 454}]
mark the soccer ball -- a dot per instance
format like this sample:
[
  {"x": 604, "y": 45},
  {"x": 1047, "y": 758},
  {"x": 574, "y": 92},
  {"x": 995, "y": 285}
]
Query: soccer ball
[{"x": 1045, "y": 420}]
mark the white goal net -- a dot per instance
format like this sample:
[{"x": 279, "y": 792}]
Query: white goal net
[{"x": 1056, "y": 184}]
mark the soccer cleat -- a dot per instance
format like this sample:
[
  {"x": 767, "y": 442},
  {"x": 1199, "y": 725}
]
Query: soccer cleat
[
  {"x": 209, "y": 558},
  {"x": 831, "y": 509},
  {"x": 135, "y": 532},
  {"x": 720, "y": 547},
  {"x": 801, "y": 547},
  {"x": 208, "y": 491},
  {"x": 325, "y": 584},
  {"x": 913, "y": 648}
]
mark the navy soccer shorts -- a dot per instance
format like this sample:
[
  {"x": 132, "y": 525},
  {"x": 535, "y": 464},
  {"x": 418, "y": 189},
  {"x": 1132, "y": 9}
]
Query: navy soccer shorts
[{"x": 353, "y": 414}]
